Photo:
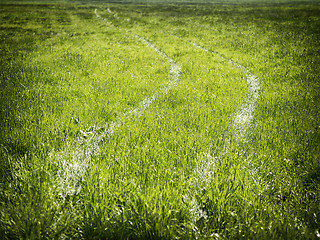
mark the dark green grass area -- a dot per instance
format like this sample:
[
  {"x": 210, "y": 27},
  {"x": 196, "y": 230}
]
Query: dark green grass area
[{"x": 177, "y": 170}]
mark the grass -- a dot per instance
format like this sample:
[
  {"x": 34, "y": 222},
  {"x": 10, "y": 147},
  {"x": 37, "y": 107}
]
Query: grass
[{"x": 176, "y": 169}]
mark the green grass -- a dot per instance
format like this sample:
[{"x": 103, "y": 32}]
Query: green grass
[{"x": 176, "y": 169}]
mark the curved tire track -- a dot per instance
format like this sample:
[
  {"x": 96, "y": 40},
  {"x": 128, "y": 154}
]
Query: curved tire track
[
  {"x": 242, "y": 125},
  {"x": 244, "y": 117},
  {"x": 74, "y": 159}
]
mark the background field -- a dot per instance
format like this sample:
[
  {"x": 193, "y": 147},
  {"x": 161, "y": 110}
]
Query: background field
[{"x": 119, "y": 121}]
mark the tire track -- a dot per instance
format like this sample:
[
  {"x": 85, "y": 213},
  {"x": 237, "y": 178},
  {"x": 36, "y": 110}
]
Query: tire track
[
  {"x": 203, "y": 174},
  {"x": 74, "y": 159},
  {"x": 242, "y": 121}
]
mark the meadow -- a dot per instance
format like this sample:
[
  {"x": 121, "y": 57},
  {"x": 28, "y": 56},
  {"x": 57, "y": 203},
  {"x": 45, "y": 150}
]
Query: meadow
[{"x": 159, "y": 120}]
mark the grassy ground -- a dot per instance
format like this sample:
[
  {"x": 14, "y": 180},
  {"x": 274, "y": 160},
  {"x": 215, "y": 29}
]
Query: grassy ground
[{"x": 80, "y": 157}]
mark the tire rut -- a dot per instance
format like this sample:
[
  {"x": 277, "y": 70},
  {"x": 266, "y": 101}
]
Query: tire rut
[{"x": 75, "y": 158}]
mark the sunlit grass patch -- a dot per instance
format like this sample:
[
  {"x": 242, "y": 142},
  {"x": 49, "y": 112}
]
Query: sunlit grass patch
[{"x": 119, "y": 121}]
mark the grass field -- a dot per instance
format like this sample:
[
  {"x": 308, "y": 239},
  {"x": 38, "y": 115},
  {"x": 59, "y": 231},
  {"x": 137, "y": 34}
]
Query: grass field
[{"x": 159, "y": 120}]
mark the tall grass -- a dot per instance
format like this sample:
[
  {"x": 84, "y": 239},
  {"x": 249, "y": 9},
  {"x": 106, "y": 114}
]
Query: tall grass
[{"x": 178, "y": 170}]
